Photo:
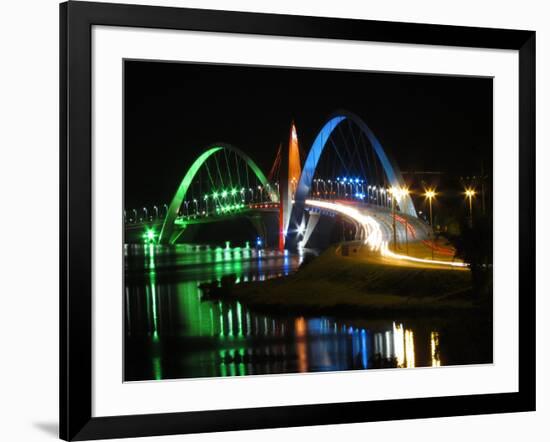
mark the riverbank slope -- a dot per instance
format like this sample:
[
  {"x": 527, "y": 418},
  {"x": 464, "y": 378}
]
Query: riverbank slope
[{"x": 362, "y": 283}]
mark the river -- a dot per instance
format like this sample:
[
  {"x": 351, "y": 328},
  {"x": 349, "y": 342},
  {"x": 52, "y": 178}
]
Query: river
[{"x": 172, "y": 333}]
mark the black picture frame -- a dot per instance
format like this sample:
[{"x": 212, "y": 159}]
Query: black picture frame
[{"x": 76, "y": 21}]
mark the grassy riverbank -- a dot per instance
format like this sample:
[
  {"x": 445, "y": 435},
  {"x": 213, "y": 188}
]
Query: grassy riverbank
[{"x": 332, "y": 284}]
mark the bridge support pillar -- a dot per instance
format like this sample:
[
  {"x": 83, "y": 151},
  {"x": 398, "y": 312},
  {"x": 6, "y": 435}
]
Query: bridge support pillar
[
  {"x": 281, "y": 227},
  {"x": 184, "y": 234},
  {"x": 312, "y": 222},
  {"x": 291, "y": 169}
]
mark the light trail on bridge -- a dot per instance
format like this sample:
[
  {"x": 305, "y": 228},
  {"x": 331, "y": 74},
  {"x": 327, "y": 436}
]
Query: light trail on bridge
[
  {"x": 387, "y": 253},
  {"x": 373, "y": 234},
  {"x": 371, "y": 227}
]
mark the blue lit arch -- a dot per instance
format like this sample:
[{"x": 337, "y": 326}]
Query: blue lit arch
[{"x": 308, "y": 171}]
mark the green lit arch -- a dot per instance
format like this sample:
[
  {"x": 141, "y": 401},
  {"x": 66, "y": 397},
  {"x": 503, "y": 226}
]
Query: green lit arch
[{"x": 167, "y": 234}]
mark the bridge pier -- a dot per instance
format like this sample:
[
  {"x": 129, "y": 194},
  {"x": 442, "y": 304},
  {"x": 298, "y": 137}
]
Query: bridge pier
[
  {"x": 289, "y": 176},
  {"x": 312, "y": 222},
  {"x": 188, "y": 233}
]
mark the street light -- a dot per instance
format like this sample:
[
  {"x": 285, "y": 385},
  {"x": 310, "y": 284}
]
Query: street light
[
  {"x": 430, "y": 195},
  {"x": 393, "y": 192},
  {"x": 403, "y": 193},
  {"x": 397, "y": 193},
  {"x": 224, "y": 198},
  {"x": 470, "y": 193},
  {"x": 149, "y": 235},
  {"x": 242, "y": 194}
]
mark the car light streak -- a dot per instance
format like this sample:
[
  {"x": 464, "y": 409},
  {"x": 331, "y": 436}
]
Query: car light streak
[
  {"x": 387, "y": 253},
  {"x": 373, "y": 234},
  {"x": 371, "y": 227}
]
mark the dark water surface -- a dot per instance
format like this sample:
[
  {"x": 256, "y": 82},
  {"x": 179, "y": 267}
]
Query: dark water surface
[{"x": 171, "y": 333}]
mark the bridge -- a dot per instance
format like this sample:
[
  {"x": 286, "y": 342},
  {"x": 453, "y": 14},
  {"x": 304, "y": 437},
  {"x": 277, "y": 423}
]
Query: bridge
[{"x": 346, "y": 173}]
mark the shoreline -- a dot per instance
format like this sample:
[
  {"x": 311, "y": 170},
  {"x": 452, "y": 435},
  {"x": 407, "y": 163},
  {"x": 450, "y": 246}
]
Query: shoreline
[{"x": 334, "y": 285}]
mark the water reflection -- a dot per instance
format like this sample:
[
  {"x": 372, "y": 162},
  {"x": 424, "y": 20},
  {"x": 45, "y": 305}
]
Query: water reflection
[
  {"x": 434, "y": 347},
  {"x": 171, "y": 332}
]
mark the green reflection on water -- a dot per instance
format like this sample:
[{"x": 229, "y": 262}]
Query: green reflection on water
[
  {"x": 200, "y": 317},
  {"x": 212, "y": 331},
  {"x": 205, "y": 318},
  {"x": 239, "y": 319},
  {"x": 232, "y": 368},
  {"x": 151, "y": 291},
  {"x": 157, "y": 368},
  {"x": 220, "y": 313},
  {"x": 230, "y": 322}
]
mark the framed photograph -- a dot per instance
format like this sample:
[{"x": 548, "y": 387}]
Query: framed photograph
[{"x": 272, "y": 221}]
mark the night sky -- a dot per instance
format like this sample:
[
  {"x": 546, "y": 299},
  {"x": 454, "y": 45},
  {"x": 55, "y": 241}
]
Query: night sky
[{"x": 174, "y": 110}]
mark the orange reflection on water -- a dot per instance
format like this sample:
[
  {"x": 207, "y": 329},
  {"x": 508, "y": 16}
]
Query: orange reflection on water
[
  {"x": 434, "y": 344},
  {"x": 300, "y": 330},
  {"x": 409, "y": 349},
  {"x": 300, "y": 327}
]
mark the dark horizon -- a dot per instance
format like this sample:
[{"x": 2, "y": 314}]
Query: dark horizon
[{"x": 174, "y": 110}]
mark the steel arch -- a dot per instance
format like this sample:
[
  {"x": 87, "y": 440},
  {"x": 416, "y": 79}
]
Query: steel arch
[
  {"x": 304, "y": 185},
  {"x": 167, "y": 232}
]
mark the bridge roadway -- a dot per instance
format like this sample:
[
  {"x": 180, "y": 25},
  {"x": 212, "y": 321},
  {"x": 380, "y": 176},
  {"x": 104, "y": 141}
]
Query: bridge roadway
[
  {"x": 408, "y": 228},
  {"x": 414, "y": 245}
]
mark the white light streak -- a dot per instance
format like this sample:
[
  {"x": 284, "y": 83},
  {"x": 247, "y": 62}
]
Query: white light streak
[
  {"x": 386, "y": 252},
  {"x": 373, "y": 234},
  {"x": 399, "y": 344},
  {"x": 371, "y": 227}
]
